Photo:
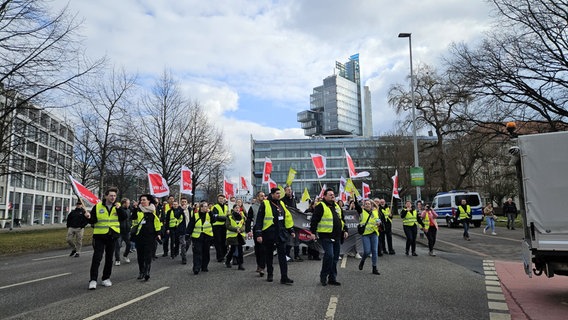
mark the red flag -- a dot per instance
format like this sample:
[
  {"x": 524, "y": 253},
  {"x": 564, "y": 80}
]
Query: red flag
[
  {"x": 395, "y": 185},
  {"x": 83, "y": 192},
  {"x": 228, "y": 188},
  {"x": 320, "y": 164},
  {"x": 158, "y": 185},
  {"x": 186, "y": 182},
  {"x": 267, "y": 170},
  {"x": 271, "y": 184},
  {"x": 351, "y": 168},
  {"x": 322, "y": 191},
  {"x": 244, "y": 184},
  {"x": 366, "y": 191}
]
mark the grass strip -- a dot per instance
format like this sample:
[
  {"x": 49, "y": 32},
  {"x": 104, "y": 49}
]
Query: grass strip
[{"x": 37, "y": 240}]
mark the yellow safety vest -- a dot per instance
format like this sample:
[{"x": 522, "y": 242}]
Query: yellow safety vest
[
  {"x": 106, "y": 220},
  {"x": 464, "y": 214},
  {"x": 326, "y": 223},
  {"x": 410, "y": 218},
  {"x": 371, "y": 226},
  {"x": 386, "y": 213},
  {"x": 173, "y": 221},
  {"x": 269, "y": 217},
  {"x": 426, "y": 221},
  {"x": 222, "y": 213},
  {"x": 238, "y": 225},
  {"x": 202, "y": 226},
  {"x": 140, "y": 216}
]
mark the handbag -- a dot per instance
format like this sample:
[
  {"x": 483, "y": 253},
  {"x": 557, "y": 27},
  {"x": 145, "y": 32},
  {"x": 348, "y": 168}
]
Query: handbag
[
  {"x": 134, "y": 232},
  {"x": 361, "y": 228}
]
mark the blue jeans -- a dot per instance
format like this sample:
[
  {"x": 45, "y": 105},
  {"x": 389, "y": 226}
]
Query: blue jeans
[
  {"x": 465, "y": 223},
  {"x": 330, "y": 257},
  {"x": 490, "y": 224},
  {"x": 370, "y": 245}
]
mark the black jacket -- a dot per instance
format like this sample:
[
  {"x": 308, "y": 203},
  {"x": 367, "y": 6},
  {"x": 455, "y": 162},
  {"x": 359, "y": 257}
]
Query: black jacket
[
  {"x": 76, "y": 218},
  {"x": 509, "y": 208},
  {"x": 277, "y": 232}
]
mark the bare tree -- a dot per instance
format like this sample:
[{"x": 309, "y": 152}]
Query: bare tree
[
  {"x": 103, "y": 119},
  {"x": 521, "y": 68}
]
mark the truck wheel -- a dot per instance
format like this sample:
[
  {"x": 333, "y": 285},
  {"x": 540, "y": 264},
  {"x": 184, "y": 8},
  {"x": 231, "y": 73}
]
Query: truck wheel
[{"x": 477, "y": 224}]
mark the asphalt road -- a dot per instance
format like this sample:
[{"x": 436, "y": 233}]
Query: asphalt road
[{"x": 52, "y": 285}]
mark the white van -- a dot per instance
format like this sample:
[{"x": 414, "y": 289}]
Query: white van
[{"x": 445, "y": 204}]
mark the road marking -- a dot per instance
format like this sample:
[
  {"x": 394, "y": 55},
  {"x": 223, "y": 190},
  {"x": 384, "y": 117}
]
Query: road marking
[
  {"x": 55, "y": 257},
  {"x": 36, "y": 280},
  {"x": 499, "y": 310},
  {"x": 464, "y": 248},
  {"x": 331, "y": 307},
  {"x": 98, "y": 315},
  {"x": 344, "y": 261}
]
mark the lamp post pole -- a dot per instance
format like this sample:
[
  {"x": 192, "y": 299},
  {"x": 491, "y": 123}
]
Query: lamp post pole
[{"x": 415, "y": 139}]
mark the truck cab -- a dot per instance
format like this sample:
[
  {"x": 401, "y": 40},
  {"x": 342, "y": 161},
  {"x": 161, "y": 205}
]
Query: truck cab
[{"x": 445, "y": 204}]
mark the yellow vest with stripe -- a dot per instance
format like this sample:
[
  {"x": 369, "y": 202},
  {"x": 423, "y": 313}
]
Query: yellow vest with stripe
[
  {"x": 426, "y": 221},
  {"x": 173, "y": 221},
  {"x": 326, "y": 223},
  {"x": 410, "y": 218},
  {"x": 269, "y": 216},
  {"x": 386, "y": 212},
  {"x": 140, "y": 216},
  {"x": 106, "y": 220},
  {"x": 222, "y": 213},
  {"x": 238, "y": 225},
  {"x": 202, "y": 226},
  {"x": 464, "y": 214},
  {"x": 371, "y": 226}
]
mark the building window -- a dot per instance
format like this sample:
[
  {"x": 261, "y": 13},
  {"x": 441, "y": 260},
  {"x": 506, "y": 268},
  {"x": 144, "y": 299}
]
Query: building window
[
  {"x": 31, "y": 148},
  {"x": 42, "y": 153},
  {"x": 44, "y": 120},
  {"x": 53, "y": 142},
  {"x": 41, "y": 168},
  {"x": 40, "y": 184},
  {"x": 28, "y": 182},
  {"x": 42, "y": 137},
  {"x": 30, "y": 165}
]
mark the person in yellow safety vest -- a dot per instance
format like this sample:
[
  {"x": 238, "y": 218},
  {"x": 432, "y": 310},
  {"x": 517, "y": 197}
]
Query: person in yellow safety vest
[
  {"x": 329, "y": 225},
  {"x": 464, "y": 216},
  {"x": 220, "y": 210},
  {"x": 410, "y": 224},
  {"x": 169, "y": 224},
  {"x": 235, "y": 225},
  {"x": 105, "y": 220},
  {"x": 429, "y": 217},
  {"x": 369, "y": 217},
  {"x": 200, "y": 228},
  {"x": 272, "y": 228},
  {"x": 385, "y": 236},
  {"x": 146, "y": 228}
]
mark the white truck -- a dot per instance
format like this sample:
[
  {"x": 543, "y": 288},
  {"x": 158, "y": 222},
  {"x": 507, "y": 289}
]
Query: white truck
[{"x": 541, "y": 161}]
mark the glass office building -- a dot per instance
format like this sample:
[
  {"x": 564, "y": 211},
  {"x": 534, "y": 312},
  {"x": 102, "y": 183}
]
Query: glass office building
[{"x": 36, "y": 188}]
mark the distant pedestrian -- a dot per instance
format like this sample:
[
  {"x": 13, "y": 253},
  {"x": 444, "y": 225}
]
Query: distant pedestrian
[
  {"x": 200, "y": 228},
  {"x": 429, "y": 217},
  {"x": 106, "y": 229},
  {"x": 76, "y": 223},
  {"x": 125, "y": 227},
  {"x": 510, "y": 211},
  {"x": 235, "y": 225},
  {"x": 147, "y": 230},
  {"x": 220, "y": 211},
  {"x": 489, "y": 214},
  {"x": 464, "y": 216},
  {"x": 410, "y": 224},
  {"x": 258, "y": 247}
]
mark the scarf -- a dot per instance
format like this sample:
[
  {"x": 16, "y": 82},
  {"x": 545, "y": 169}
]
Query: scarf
[{"x": 150, "y": 208}]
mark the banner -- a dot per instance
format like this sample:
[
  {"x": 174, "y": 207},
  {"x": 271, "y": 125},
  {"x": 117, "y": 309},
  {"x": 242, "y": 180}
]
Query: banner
[
  {"x": 416, "y": 176},
  {"x": 351, "y": 168},
  {"x": 351, "y": 189},
  {"x": 186, "y": 182},
  {"x": 291, "y": 176},
  {"x": 228, "y": 188},
  {"x": 319, "y": 164},
  {"x": 322, "y": 191},
  {"x": 305, "y": 195},
  {"x": 158, "y": 185},
  {"x": 267, "y": 170},
  {"x": 271, "y": 184},
  {"x": 244, "y": 184},
  {"x": 395, "y": 185},
  {"x": 83, "y": 192}
]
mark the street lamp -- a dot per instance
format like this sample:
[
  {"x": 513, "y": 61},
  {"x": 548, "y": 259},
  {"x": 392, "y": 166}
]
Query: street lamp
[{"x": 415, "y": 141}]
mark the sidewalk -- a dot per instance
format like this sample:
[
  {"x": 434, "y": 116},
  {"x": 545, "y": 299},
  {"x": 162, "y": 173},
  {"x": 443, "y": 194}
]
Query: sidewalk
[{"x": 24, "y": 228}]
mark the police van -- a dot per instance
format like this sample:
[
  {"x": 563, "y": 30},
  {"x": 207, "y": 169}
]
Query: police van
[{"x": 446, "y": 203}]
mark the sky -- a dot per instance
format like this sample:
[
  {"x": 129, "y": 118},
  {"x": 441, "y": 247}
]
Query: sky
[{"x": 252, "y": 65}]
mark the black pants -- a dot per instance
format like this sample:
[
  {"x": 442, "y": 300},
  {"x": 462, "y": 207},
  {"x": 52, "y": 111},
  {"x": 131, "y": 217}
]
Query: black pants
[
  {"x": 268, "y": 254},
  {"x": 144, "y": 255},
  {"x": 410, "y": 233},
  {"x": 386, "y": 236},
  {"x": 170, "y": 245},
  {"x": 259, "y": 254},
  {"x": 201, "y": 253},
  {"x": 102, "y": 244},
  {"x": 220, "y": 235},
  {"x": 239, "y": 256},
  {"x": 431, "y": 235},
  {"x": 126, "y": 238}
]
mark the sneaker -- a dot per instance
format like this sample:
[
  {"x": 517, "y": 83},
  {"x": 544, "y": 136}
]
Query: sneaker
[
  {"x": 72, "y": 252},
  {"x": 493, "y": 233},
  {"x": 127, "y": 259},
  {"x": 484, "y": 231},
  {"x": 117, "y": 263},
  {"x": 431, "y": 253},
  {"x": 358, "y": 256},
  {"x": 92, "y": 285},
  {"x": 340, "y": 258},
  {"x": 106, "y": 283},
  {"x": 288, "y": 258},
  {"x": 76, "y": 255}
]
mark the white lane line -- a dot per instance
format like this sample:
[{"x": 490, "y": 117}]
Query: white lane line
[
  {"x": 36, "y": 280},
  {"x": 55, "y": 257},
  {"x": 344, "y": 261},
  {"x": 98, "y": 315},
  {"x": 331, "y": 307}
]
